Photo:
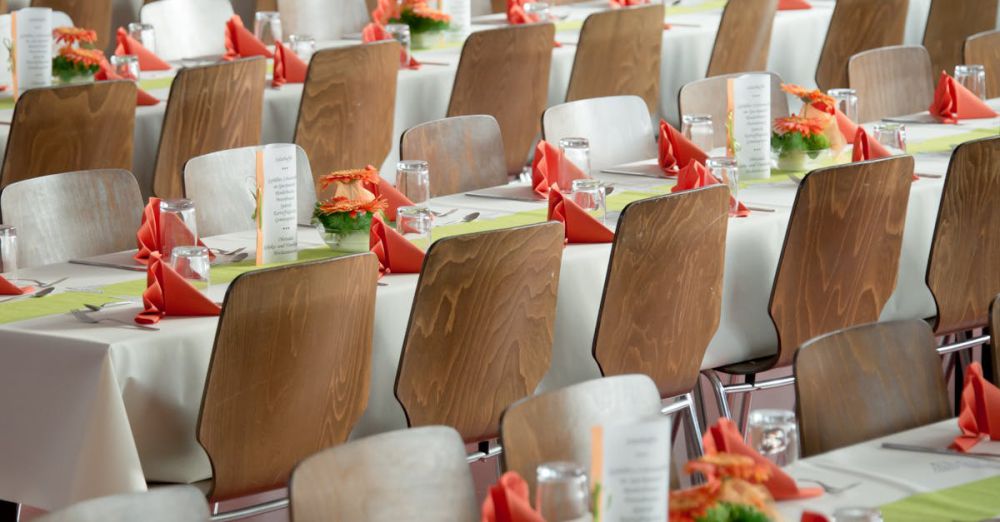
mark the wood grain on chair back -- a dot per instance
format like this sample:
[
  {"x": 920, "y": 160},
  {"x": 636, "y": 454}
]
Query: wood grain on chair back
[
  {"x": 555, "y": 426},
  {"x": 995, "y": 336},
  {"x": 618, "y": 128},
  {"x": 481, "y": 326},
  {"x": 348, "y": 103},
  {"x": 710, "y": 96},
  {"x": 73, "y": 215},
  {"x": 88, "y": 14},
  {"x": 856, "y": 26},
  {"x": 892, "y": 81},
  {"x": 839, "y": 262},
  {"x": 619, "y": 54},
  {"x": 163, "y": 504},
  {"x": 211, "y": 108},
  {"x": 984, "y": 49},
  {"x": 744, "y": 37},
  {"x": 46, "y": 137},
  {"x": 287, "y": 377},
  {"x": 504, "y": 72},
  {"x": 659, "y": 322},
  {"x": 962, "y": 273},
  {"x": 464, "y": 153},
  {"x": 265, "y": 5},
  {"x": 949, "y": 23},
  {"x": 412, "y": 474},
  {"x": 867, "y": 382}
]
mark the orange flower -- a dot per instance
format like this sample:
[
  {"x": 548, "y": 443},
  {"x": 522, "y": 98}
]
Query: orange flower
[
  {"x": 421, "y": 9},
  {"x": 822, "y": 100},
  {"x": 72, "y": 35},
  {"x": 805, "y": 126},
  {"x": 368, "y": 173},
  {"x": 85, "y": 57},
  {"x": 687, "y": 505},
  {"x": 729, "y": 466},
  {"x": 339, "y": 205}
]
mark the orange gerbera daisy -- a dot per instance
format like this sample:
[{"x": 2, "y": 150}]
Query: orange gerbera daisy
[
  {"x": 423, "y": 11},
  {"x": 85, "y": 57},
  {"x": 72, "y": 35},
  {"x": 807, "y": 127},
  {"x": 340, "y": 204},
  {"x": 729, "y": 466},
  {"x": 813, "y": 96},
  {"x": 345, "y": 176},
  {"x": 687, "y": 505}
]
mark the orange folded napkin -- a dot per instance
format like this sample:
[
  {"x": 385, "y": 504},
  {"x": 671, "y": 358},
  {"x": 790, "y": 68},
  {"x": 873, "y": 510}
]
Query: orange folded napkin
[
  {"x": 516, "y": 14},
  {"x": 724, "y": 437},
  {"x": 545, "y": 168},
  {"x": 627, "y": 3},
  {"x": 578, "y": 225},
  {"x": 288, "y": 67},
  {"x": 167, "y": 293},
  {"x": 677, "y": 151},
  {"x": 148, "y": 61},
  {"x": 865, "y": 148},
  {"x": 148, "y": 237},
  {"x": 695, "y": 175},
  {"x": 788, "y": 5},
  {"x": 241, "y": 43},
  {"x": 395, "y": 254},
  {"x": 375, "y": 32},
  {"x": 509, "y": 501},
  {"x": 385, "y": 189},
  {"x": 811, "y": 516},
  {"x": 980, "y": 411},
  {"x": 953, "y": 102},
  {"x": 385, "y": 11},
  {"x": 107, "y": 72},
  {"x": 8, "y": 288}
]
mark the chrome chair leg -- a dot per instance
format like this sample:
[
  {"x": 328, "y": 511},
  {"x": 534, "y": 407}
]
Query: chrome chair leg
[
  {"x": 694, "y": 429},
  {"x": 720, "y": 393}
]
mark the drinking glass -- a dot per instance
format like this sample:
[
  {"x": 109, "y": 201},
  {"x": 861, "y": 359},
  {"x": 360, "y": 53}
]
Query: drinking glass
[
  {"x": 775, "y": 435},
  {"x": 177, "y": 225},
  {"x": 8, "y": 249},
  {"x": 267, "y": 27},
  {"x": 541, "y": 11},
  {"x": 891, "y": 135},
  {"x": 126, "y": 66},
  {"x": 727, "y": 171},
  {"x": 575, "y": 151},
  {"x": 698, "y": 129},
  {"x": 193, "y": 264},
  {"x": 562, "y": 493},
  {"x": 303, "y": 45},
  {"x": 589, "y": 194},
  {"x": 857, "y": 514},
  {"x": 144, "y": 34},
  {"x": 973, "y": 77},
  {"x": 847, "y": 102},
  {"x": 401, "y": 33},
  {"x": 413, "y": 179},
  {"x": 414, "y": 223}
]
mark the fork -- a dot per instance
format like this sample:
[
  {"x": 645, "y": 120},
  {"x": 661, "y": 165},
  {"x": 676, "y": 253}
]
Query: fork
[
  {"x": 445, "y": 213},
  {"x": 221, "y": 252},
  {"x": 833, "y": 490},
  {"x": 84, "y": 318},
  {"x": 41, "y": 284}
]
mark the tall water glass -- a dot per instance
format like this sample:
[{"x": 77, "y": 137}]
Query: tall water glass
[
  {"x": 414, "y": 223},
  {"x": 698, "y": 129},
  {"x": 401, "y": 33},
  {"x": 303, "y": 45},
  {"x": 857, "y": 514},
  {"x": 8, "y": 249},
  {"x": 727, "y": 171},
  {"x": 973, "y": 77},
  {"x": 540, "y": 11},
  {"x": 193, "y": 264},
  {"x": 267, "y": 27},
  {"x": 144, "y": 34},
  {"x": 562, "y": 493},
  {"x": 847, "y": 102},
  {"x": 891, "y": 135},
  {"x": 177, "y": 225},
  {"x": 413, "y": 179},
  {"x": 775, "y": 435},
  {"x": 575, "y": 152},
  {"x": 589, "y": 195},
  {"x": 126, "y": 66}
]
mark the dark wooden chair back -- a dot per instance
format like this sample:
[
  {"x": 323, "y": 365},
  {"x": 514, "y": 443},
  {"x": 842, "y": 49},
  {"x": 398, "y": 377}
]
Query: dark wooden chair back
[
  {"x": 744, "y": 37},
  {"x": 710, "y": 96},
  {"x": 464, "y": 153},
  {"x": 892, "y": 81},
  {"x": 949, "y": 23},
  {"x": 856, "y": 26},
  {"x": 995, "y": 335},
  {"x": 88, "y": 14},
  {"x": 984, "y": 49}
]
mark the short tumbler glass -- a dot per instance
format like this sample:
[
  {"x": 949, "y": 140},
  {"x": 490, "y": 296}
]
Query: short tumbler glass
[
  {"x": 589, "y": 195},
  {"x": 401, "y": 33},
  {"x": 891, "y": 135},
  {"x": 847, "y": 102},
  {"x": 303, "y": 45},
  {"x": 540, "y": 11},
  {"x": 575, "y": 152},
  {"x": 562, "y": 493},
  {"x": 414, "y": 223},
  {"x": 126, "y": 66},
  {"x": 413, "y": 179},
  {"x": 144, "y": 34},
  {"x": 727, "y": 171},
  {"x": 973, "y": 77},
  {"x": 698, "y": 129},
  {"x": 267, "y": 27},
  {"x": 8, "y": 249},
  {"x": 177, "y": 225},
  {"x": 775, "y": 435},
  {"x": 193, "y": 264}
]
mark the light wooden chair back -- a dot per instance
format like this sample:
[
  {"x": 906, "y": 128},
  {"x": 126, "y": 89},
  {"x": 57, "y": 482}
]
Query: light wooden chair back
[
  {"x": 659, "y": 322},
  {"x": 856, "y": 26},
  {"x": 555, "y": 426},
  {"x": 995, "y": 335},
  {"x": 211, "y": 108},
  {"x": 464, "y": 153},
  {"x": 949, "y": 23},
  {"x": 744, "y": 37},
  {"x": 710, "y": 96},
  {"x": 323, "y": 19},
  {"x": 618, "y": 128},
  {"x": 189, "y": 28},
  {"x": 498, "y": 291},
  {"x": 415, "y": 474},
  {"x": 166, "y": 504},
  {"x": 89, "y": 14},
  {"x": 962, "y": 273},
  {"x": 221, "y": 184},
  {"x": 287, "y": 377},
  {"x": 984, "y": 49},
  {"x": 892, "y": 81},
  {"x": 348, "y": 104},
  {"x": 504, "y": 73},
  {"x": 45, "y": 133},
  {"x": 267, "y": 5},
  {"x": 619, "y": 54},
  {"x": 887, "y": 378}
]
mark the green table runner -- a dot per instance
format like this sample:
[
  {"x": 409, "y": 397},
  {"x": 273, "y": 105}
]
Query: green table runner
[{"x": 969, "y": 502}]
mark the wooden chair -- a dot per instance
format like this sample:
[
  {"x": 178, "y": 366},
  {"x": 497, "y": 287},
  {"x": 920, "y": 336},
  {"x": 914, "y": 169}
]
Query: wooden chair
[
  {"x": 45, "y": 132},
  {"x": 415, "y": 474},
  {"x": 504, "y": 73},
  {"x": 73, "y": 215},
  {"x": 210, "y": 108},
  {"x": 995, "y": 336},
  {"x": 555, "y": 426},
  {"x": 280, "y": 387},
  {"x": 949, "y": 23},
  {"x": 189, "y": 28},
  {"x": 837, "y": 267},
  {"x": 887, "y": 379},
  {"x": 710, "y": 96},
  {"x": 744, "y": 37},
  {"x": 892, "y": 81},
  {"x": 984, "y": 49},
  {"x": 221, "y": 185},
  {"x": 166, "y": 504},
  {"x": 348, "y": 103},
  {"x": 619, "y": 54},
  {"x": 618, "y": 128},
  {"x": 464, "y": 153},
  {"x": 323, "y": 19},
  {"x": 498, "y": 292},
  {"x": 856, "y": 26},
  {"x": 266, "y": 5},
  {"x": 90, "y": 14}
]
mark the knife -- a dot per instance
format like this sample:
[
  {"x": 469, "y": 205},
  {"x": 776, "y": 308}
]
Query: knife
[
  {"x": 107, "y": 265},
  {"x": 939, "y": 451}
]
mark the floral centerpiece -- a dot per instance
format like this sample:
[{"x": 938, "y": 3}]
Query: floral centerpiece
[
  {"x": 427, "y": 25},
  {"x": 733, "y": 492},
  {"x": 344, "y": 220},
  {"x": 77, "y": 60},
  {"x": 811, "y": 137}
]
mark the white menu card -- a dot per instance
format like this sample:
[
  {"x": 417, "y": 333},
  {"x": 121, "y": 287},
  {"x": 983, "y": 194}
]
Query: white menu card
[
  {"x": 630, "y": 470},
  {"x": 277, "y": 231},
  {"x": 750, "y": 104},
  {"x": 6, "y": 50},
  {"x": 32, "y": 36}
]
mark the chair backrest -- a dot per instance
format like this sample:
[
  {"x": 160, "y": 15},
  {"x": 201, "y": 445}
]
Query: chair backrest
[
  {"x": 839, "y": 262},
  {"x": 984, "y": 49},
  {"x": 856, "y": 26},
  {"x": 744, "y": 37},
  {"x": 323, "y": 19},
  {"x": 962, "y": 272},
  {"x": 406, "y": 475},
  {"x": 710, "y": 96},
  {"x": 280, "y": 386},
  {"x": 618, "y": 128},
  {"x": 45, "y": 132},
  {"x": 189, "y": 28},
  {"x": 949, "y": 23},
  {"x": 618, "y": 54},
  {"x": 89, "y": 14},
  {"x": 659, "y": 322},
  {"x": 555, "y": 426},
  {"x": 211, "y": 108},
  {"x": 73, "y": 215},
  {"x": 348, "y": 104},
  {"x": 887, "y": 378},
  {"x": 504, "y": 73},
  {"x": 166, "y": 504},
  {"x": 498, "y": 292},
  {"x": 221, "y": 186},
  {"x": 892, "y": 81},
  {"x": 995, "y": 334},
  {"x": 463, "y": 152}
]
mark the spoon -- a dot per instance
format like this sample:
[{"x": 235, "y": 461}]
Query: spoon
[{"x": 98, "y": 308}]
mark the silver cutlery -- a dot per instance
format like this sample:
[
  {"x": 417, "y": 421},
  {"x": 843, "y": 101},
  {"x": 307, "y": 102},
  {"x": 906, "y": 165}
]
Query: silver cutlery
[
  {"x": 929, "y": 176},
  {"x": 221, "y": 252},
  {"x": 98, "y": 308},
  {"x": 133, "y": 268},
  {"x": 41, "y": 284},
  {"x": 445, "y": 213},
  {"x": 84, "y": 318},
  {"x": 465, "y": 219},
  {"x": 760, "y": 209},
  {"x": 939, "y": 451},
  {"x": 827, "y": 488},
  {"x": 239, "y": 257},
  {"x": 41, "y": 293}
]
